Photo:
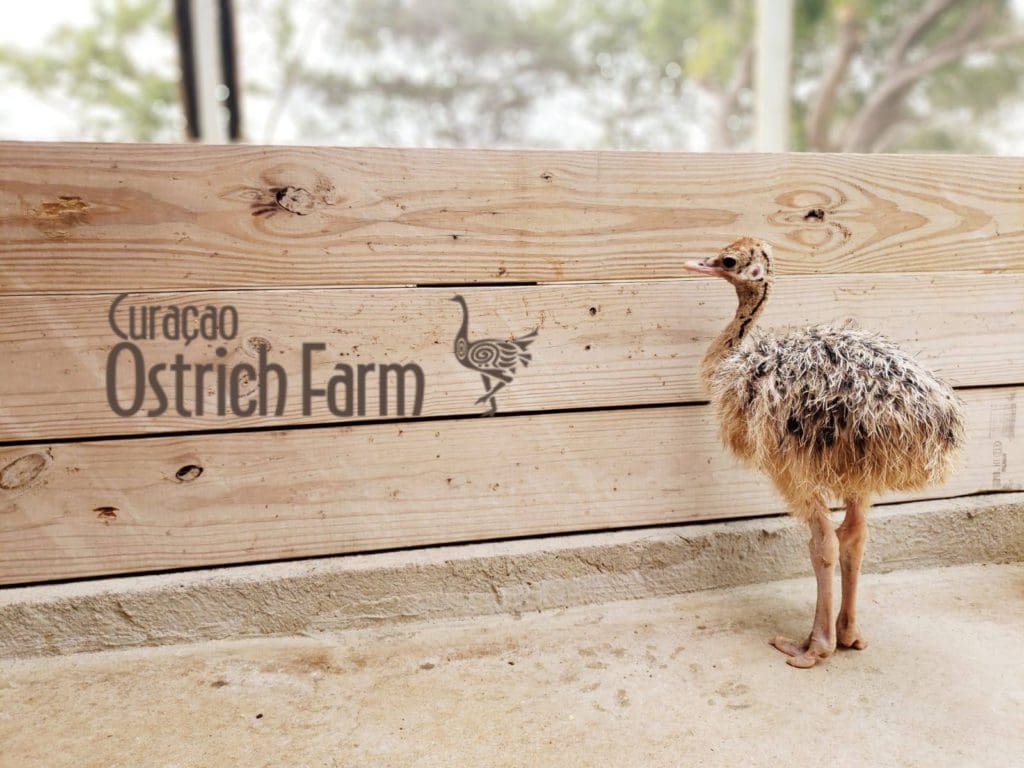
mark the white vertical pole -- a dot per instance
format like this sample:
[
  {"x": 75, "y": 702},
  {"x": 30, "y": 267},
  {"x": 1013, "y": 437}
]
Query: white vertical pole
[
  {"x": 774, "y": 40},
  {"x": 206, "y": 36}
]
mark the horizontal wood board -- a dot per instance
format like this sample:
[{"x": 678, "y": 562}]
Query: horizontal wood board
[
  {"x": 99, "y": 217},
  {"x": 72, "y": 510},
  {"x": 598, "y": 345}
]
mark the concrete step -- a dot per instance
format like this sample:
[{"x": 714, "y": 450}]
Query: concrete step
[{"x": 515, "y": 577}]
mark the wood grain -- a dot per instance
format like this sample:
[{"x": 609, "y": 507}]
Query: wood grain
[
  {"x": 598, "y": 345},
  {"x": 73, "y": 510},
  {"x": 94, "y": 217}
]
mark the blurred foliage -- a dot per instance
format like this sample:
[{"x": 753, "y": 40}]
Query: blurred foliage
[
  {"x": 868, "y": 75},
  {"x": 942, "y": 108},
  {"x": 103, "y": 73},
  {"x": 648, "y": 71}
]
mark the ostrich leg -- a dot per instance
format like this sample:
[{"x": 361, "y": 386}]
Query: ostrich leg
[
  {"x": 853, "y": 535},
  {"x": 824, "y": 549}
]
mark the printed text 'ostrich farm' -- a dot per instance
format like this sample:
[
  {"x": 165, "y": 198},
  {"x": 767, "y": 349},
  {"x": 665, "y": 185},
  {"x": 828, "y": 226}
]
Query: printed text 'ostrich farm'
[{"x": 191, "y": 384}]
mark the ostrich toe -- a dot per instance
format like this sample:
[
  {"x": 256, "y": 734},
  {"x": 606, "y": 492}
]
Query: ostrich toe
[
  {"x": 849, "y": 636},
  {"x": 802, "y": 655}
]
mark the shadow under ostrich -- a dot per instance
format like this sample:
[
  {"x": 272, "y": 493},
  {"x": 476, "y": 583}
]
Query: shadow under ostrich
[{"x": 495, "y": 359}]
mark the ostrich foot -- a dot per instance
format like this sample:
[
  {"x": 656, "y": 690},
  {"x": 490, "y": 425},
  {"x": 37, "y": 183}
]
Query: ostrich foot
[
  {"x": 492, "y": 410},
  {"x": 848, "y": 635},
  {"x": 803, "y": 655}
]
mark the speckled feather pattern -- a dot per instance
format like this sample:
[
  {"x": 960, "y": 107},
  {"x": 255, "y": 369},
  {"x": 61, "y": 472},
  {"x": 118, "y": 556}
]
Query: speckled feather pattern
[
  {"x": 827, "y": 412},
  {"x": 839, "y": 411}
]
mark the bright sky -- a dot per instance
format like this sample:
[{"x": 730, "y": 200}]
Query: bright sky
[
  {"x": 27, "y": 25},
  {"x": 25, "y": 117}
]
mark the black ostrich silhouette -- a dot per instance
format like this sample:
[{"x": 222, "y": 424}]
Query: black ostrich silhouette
[{"x": 491, "y": 358}]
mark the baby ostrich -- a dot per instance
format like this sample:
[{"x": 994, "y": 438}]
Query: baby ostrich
[{"x": 826, "y": 413}]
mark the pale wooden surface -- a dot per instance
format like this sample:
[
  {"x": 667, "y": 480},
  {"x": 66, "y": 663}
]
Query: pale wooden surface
[
  {"x": 116, "y": 506},
  {"x": 929, "y": 250},
  {"x": 642, "y": 344},
  {"x": 81, "y": 217}
]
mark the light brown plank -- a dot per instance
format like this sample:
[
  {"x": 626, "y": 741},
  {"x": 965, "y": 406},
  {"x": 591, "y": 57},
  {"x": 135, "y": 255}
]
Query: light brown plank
[
  {"x": 641, "y": 345},
  {"x": 117, "y": 506},
  {"x": 81, "y": 217}
]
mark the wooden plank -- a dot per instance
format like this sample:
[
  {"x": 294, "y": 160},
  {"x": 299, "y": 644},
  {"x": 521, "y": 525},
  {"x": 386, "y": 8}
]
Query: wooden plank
[
  {"x": 89, "y": 217},
  {"x": 641, "y": 345},
  {"x": 71, "y": 510}
]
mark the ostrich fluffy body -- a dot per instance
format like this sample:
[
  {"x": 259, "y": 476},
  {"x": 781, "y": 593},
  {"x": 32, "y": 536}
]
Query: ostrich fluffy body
[{"x": 826, "y": 413}]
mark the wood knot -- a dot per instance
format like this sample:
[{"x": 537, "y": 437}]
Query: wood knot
[
  {"x": 294, "y": 200},
  {"x": 188, "y": 473},
  {"x": 547, "y": 176},
  {"x": 294, "y": 189},
  {"x": 106, "y": 513},
  {"x": 23, "y": 470},
  {"x": 813, "y": 218},
  {"x": 253, "y": 345}
]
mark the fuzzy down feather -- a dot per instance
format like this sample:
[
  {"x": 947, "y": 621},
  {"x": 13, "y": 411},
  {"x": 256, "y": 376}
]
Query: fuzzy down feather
[{"x": 835, "y": 411}]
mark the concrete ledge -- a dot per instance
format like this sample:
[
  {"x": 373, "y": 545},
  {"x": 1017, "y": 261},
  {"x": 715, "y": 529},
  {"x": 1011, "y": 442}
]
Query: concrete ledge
[{"x": 479, "y": 579}]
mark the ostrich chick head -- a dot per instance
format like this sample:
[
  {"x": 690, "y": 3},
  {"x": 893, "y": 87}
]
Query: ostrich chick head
[{"x": 746, "y": 263}]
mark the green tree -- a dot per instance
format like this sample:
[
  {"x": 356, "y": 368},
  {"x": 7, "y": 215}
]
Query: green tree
[
  {"x": 868, "y": 75},
  {"x": 444, "y": 72},
  {"x": 104, "y": 73},
  {"x": 905, "y": 74}
]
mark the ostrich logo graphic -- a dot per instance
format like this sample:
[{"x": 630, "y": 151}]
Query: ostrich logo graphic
[{"x": 494, "y": 359}]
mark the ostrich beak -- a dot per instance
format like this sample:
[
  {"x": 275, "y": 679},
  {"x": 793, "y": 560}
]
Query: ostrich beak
[{"x": 703, "y": 269}]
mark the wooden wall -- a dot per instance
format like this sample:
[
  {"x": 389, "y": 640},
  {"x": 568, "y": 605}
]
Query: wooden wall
[{"x": 361, "y": 250}]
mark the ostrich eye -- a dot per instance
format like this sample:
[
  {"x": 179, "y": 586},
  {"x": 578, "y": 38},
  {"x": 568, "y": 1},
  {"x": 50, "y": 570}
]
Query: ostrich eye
[{"x": 728, "y": 262}]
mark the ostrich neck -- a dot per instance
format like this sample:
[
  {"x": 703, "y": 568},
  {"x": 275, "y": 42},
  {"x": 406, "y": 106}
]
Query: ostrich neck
[{"x": 752, "y": 299}]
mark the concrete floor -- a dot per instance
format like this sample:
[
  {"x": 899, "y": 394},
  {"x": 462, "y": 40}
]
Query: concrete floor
[{"x": 687, "y": 680}]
